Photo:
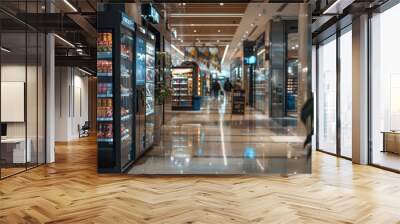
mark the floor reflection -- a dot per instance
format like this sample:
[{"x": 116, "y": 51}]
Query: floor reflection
[{"x": 212, "y": 141}]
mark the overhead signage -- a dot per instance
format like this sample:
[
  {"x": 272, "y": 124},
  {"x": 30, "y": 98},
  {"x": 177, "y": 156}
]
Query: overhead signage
[
  {"x": 249, "y": 57},
  {"x": 150, "y": 13},
  {"x": 251, "y": 60},
  {"x": 127, "y": 22}
]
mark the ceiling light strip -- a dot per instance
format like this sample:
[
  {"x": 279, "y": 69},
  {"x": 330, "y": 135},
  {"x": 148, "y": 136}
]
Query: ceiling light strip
[
  {"x": 224, "y": 55},
  {"x": 70, "y": 5},
  {"x": 86, "y": 72},
  {"x": 205, "y": 35},
  {"x": 177, "y": 50},
  {"x": 337, "y": 7},
  {"x": 64, "y": 40},
  {"x": 183, "y": 15},
  {"x": 5, "y": 50},
  {"x": 204, "y": 24},
  {"x": 260, "y": 52}
]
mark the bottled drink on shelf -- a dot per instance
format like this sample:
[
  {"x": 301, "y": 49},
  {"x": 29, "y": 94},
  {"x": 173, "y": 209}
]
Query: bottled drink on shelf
[
  {"x": 104, "y": 66},
  {"x": 104, "y": 108},
  {"x": 104, "y": 42},
  {"x": 105, "y": 131},
  {"x": 104, "y": 88}
]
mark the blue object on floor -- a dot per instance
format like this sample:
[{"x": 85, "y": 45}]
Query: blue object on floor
[{"x": 197, "y": 103}]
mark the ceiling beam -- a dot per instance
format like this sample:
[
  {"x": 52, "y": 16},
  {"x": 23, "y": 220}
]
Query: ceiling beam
[
  {"x": 202, "y": 15},
  {"x": 205, "y": 24}
]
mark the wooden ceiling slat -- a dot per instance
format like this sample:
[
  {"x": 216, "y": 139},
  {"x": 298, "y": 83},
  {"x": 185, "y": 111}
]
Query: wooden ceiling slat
[
  {"x": 207, "y": 31},
  {"x": 207, "y": 8},
  {"x": 209, "y": 20}
]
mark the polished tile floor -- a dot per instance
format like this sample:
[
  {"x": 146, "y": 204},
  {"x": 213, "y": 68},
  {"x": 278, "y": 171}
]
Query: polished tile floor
[{"x": 213, "y": 141}]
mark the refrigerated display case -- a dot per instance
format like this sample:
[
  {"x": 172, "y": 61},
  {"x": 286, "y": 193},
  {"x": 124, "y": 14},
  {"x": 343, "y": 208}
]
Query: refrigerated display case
[
  {"x": 150, "y": 91},
  {"x": 145, "y": 90},
  {"x": 184, "y": 87},
  {"x": 140, "y": 90},
  {"x": 115, "y": 92}
]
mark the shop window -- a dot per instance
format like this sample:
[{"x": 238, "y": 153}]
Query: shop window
[
  {"x": 346, "y": 93},
  {"x": 385, "y": 89},
  {"x": 327, "y": 96}
]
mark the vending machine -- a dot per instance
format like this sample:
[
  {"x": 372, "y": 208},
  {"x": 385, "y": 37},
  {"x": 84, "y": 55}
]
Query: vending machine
[
  {"x": 145, "y": 90},
  {"x": 115, "y": 91},
  {"x": 150, "y": 90}
]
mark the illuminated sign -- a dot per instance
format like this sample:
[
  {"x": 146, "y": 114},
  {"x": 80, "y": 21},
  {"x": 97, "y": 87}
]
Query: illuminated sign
[
  {"x": 128, "y": 22},
  {"x": 250, "y": 60}
]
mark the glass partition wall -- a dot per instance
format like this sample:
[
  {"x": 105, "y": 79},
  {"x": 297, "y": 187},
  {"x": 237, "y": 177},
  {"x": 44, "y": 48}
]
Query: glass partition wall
[
  {"x": 334, "y": 94},
  {"x": 385, "y": 89},
  {"x": 22, "y": 63},
  {"x": 326, "y": 104},
  {"x": 345, "y": 108}
]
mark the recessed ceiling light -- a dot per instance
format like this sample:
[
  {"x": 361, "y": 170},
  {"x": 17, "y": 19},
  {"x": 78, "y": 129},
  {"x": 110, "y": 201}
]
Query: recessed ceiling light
[
  {"x": 247, "y": 31},
  {"x": 221, "y": 3},
  {"x": 194, "y": 31},
  {"x": 259, "y": 14},
  {"x": 219, "y": 31},
  {"x": 252, "y": 24},
  {"x": 192, "y": 24},
  {"x": 183, "y": 3},
  {"x": 181, "y": 41}
]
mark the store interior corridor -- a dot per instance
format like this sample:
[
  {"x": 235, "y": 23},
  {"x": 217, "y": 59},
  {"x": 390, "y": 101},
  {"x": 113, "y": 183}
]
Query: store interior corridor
[{"x": 213, "y": 141}]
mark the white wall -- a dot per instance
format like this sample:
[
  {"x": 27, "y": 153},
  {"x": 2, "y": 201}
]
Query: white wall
[
  {"x": 17, "y": 73},
  {"x": 71, "y": 102}
]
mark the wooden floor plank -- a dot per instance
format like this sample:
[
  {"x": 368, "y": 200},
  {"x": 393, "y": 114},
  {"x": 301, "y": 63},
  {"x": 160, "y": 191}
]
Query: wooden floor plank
[{"x": 71, "y": 191}]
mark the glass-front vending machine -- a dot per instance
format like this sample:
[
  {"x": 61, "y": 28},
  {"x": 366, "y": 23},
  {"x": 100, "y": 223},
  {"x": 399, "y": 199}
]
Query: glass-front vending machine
[
  {"x": 115, "y": 91},
  {"x": 145, "y": 90},
  {"x": 140, "y": 90},
  {"x": 150, "y": 90}
]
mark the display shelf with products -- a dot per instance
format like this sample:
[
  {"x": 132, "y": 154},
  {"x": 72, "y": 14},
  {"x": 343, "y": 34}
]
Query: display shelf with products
[
  {"x": 115, "y": 91},
  {"x": 104, "y": 89},
  {"x": 150, "y": 91},
  {"x": 292, "y": 86},
  {"x": 126, "y": 92},
  {"x": 182, "y": 87}
]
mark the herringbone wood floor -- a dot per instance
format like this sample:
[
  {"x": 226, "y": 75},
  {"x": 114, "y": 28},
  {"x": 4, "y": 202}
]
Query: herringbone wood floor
[{"x": 71, "y": 191}]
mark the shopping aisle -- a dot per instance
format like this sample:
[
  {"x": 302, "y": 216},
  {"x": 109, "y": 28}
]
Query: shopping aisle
[{"x": 213, "y": 141}]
